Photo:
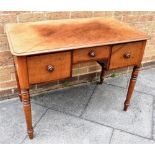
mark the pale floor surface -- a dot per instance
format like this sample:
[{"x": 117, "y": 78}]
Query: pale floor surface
[{"x": 86, "y": 114}]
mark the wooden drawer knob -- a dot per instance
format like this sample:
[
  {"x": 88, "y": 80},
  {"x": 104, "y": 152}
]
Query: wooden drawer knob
[
  {"x": 50, "y": 68},
  {"x": 92, "y": 54},
  {"x": 127, "y": 55}
]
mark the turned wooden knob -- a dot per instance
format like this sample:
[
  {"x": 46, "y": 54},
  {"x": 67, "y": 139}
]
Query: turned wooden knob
[
  {"x": 127, "y": 55},
  {"x": 50, "y": 68},
  {"x": 92, "y": 54}
]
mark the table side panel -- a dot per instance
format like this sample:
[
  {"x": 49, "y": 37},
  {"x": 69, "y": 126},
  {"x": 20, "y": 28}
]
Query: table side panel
[{"x": 22, "y": 71}]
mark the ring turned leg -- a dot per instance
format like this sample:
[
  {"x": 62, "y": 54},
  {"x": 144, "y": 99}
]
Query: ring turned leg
[
  {"x": 27, "y": 110},
  {"x": 102, "y": 72},
  {"x": 131, "y": 86}
]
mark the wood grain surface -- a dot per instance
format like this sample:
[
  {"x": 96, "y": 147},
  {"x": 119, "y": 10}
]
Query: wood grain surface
[
  {"x": 59, "y": 35},
  {"x": 82, "y": 55},
  {"x": 38, "y": 67},
  {"x": 135, "y": 51}
]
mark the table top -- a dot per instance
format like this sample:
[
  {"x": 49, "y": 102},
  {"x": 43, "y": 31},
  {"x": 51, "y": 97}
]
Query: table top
[{"x": 59, "y": 35}]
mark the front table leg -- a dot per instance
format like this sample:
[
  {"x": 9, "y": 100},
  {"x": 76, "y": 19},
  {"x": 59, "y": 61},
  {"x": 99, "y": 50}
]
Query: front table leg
[
  {"x": 131, "y": 86},
  {"x": 27, "y": 110}
]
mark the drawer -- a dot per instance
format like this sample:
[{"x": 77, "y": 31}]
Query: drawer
[
  {"x": 49, "y": 67},
  {"x": 127, "y": 54},
  {"x": 88, "y": 54}
]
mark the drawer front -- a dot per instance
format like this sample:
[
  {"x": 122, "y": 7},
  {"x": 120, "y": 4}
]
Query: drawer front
[
  {"x": 127, "y": 54},
  {"x": 49, "y": 67},
  {"x": 88, "y": 54}
]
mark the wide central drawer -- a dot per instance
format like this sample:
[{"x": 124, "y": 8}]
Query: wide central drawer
[
  {"x": 49, "y": 67},
  {"x": 89, "y": 54}
]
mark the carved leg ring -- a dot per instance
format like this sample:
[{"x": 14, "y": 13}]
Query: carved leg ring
[
  {"x": 27, "y": 110},
  {"x": 131, "y": 86}
]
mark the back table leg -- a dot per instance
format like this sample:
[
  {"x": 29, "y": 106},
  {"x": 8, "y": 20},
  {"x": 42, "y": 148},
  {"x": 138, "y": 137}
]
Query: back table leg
[
  {"x": 103, "y": 70},
  {"x": 131, "y": 87}
]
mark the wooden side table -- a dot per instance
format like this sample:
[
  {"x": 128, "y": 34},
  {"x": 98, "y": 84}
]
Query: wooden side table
[{"x": 46, "y": 51}]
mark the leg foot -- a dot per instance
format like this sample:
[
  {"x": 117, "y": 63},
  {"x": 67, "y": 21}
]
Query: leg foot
[
  {"x": 131, "y": 87},
  {"x": 126, "y": 104},
  {"x": 99, "y": 82},
  {"x": 30, "y": 133}
]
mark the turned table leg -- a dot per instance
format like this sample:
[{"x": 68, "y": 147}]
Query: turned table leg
[
  {"x": 103, "y": 65},
  {"x": 23, "y": 85},
  {"x": 131, "y": 86},
  {"x": 27, "y": 110}
]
